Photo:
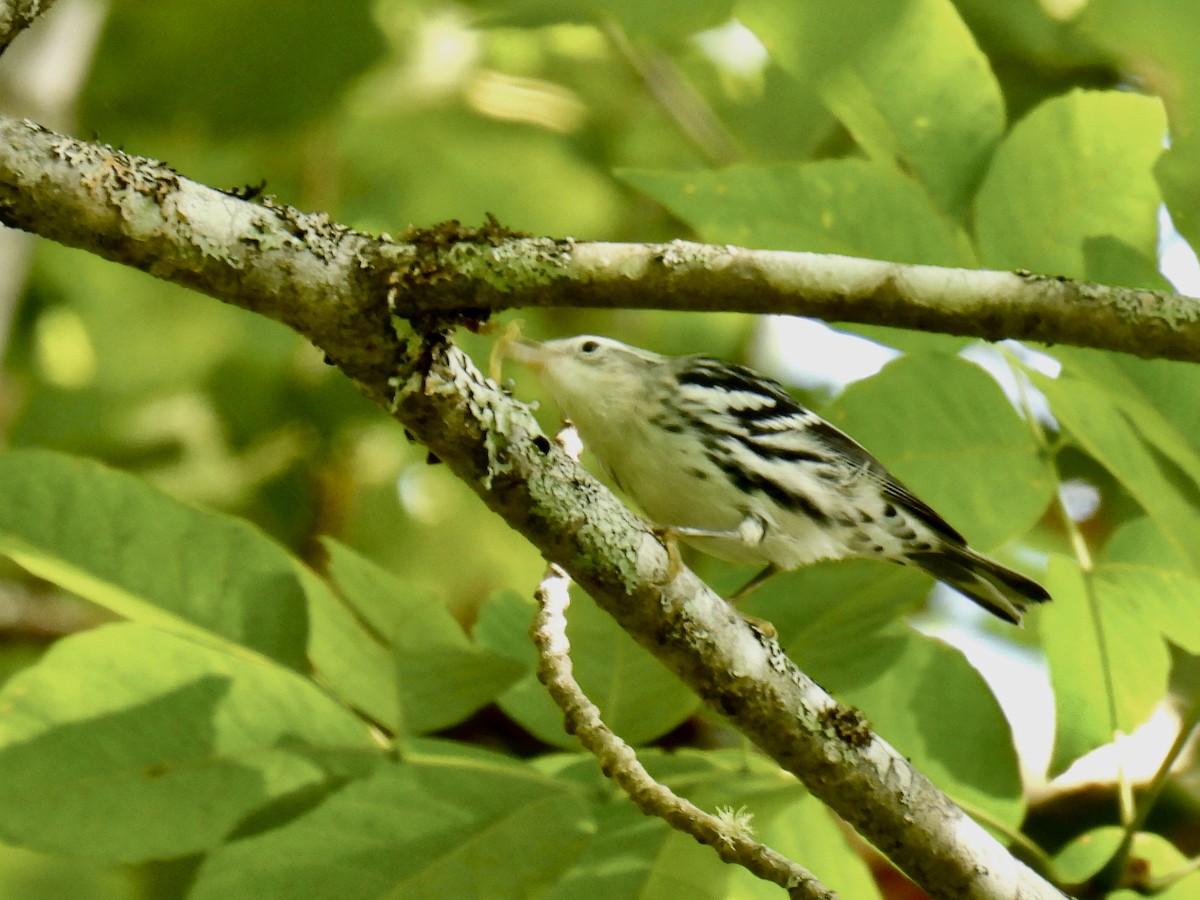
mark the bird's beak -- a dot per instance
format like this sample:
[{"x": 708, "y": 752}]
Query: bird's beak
[{"x": 531, "y": 354}]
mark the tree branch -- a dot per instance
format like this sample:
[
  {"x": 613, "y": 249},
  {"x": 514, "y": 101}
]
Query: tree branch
[
  {"x": 334, "y": 286},
  {"x": 321, "y": 278},
  {"x": 16, "y": 16}
]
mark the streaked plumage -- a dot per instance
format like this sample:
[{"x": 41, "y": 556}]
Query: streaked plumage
[{"x": 728, "y": 460}]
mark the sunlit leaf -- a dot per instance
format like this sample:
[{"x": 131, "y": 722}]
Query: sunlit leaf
[
  {"x": 440, "y": 675},
  {"x": 1159, "y": 858},
  {"x": 425, "y": 828},
  {"x": 116, "y": 541},
  {"x": 1079, "y": 166},
  {"x": 1096, "y": 424},
  {"x": 906, "y": 79},
  {"x": 1108, "y": 662},
  {"x": 176, "y": 739},
  {"x": 930, "y": 704},
  {"x": 1166, "y": 600},
  {"x": 847, "y": 206},
  {"x": 1154, "y": 395},
  {"x": 945, "y": 428},
  {"x": 1153, "y": 41},
  {"x": 1088, "y": 853}
]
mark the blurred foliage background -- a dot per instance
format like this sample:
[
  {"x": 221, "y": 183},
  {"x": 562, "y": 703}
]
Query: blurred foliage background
[{"x": 957, "y": 134}]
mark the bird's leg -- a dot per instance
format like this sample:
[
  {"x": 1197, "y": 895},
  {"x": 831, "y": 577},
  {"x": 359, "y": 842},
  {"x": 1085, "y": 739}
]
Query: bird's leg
[
  {"x": 746, "y": 590},
  {"x": 750, "y": 531},
  {"x": 754, "y": 584}
]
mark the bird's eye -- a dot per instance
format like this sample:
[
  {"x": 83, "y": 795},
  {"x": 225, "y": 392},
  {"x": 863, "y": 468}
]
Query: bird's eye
[{"x": 589, "y": 347}]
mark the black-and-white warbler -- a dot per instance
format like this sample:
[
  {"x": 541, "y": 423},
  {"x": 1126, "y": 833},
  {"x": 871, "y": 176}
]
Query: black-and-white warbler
[{"x": 725, "y": 459}]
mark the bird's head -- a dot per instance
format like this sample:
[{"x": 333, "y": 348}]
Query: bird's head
[{"x": 588, "y": 373}]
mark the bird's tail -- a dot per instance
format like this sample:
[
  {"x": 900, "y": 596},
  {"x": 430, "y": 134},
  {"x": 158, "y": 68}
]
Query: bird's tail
[{"x": 998, "y": 589}]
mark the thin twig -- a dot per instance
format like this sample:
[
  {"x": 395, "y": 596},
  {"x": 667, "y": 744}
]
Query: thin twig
[{"x": 619, "y": 761}]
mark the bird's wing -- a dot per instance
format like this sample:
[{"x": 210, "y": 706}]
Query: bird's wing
[
  {"x": 762, "y": 414},
  {"x": 892, "y": 487}
]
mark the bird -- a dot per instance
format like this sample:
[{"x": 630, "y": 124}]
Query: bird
[{"x": 726, "y": 460}]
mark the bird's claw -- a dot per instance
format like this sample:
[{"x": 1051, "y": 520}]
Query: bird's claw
[
  {"x": 762, "y": 626},
  {"x": 670, "y": 540}
]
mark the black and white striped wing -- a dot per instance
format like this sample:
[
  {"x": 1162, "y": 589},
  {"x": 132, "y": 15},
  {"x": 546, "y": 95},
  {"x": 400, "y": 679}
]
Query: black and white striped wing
[{"x": 763, "y": 439}]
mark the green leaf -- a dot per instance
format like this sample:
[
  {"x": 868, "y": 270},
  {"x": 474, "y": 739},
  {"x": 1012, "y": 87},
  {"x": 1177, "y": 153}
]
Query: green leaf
[
  {"x": 945, "y": 428},
  {"x": 932, "y": 706},
  {"x": 908, "y": 340},
  {"x": 442, "y": 684},
  {"x": 1096, "y": 424},
  {"x": 1140, "y": 541},
  {"x": 1087, "y": 854},
  {"x": 503, "y": 627},
  {"x": 752, "y": 115},
  {"x": 249, "y": 83},
  {"x": 1078, "y": 167},
  {"x": 183, "y": 739},
  {"x": 1170, "y": 387},
  {"x": 27, "y": 874},
  {"x": 1106, "y": 658},
  {"x": 637, "y": 856},
  {"x": 638, "y": 698},
  {"x": 423, "y": 829},
  {"x": 839, "y": 619},
  {"x": 1156, "y": 399},
  {"x": 1162, "y": 858},
  {"x": 827, "y": 612},
  {"x": 119, "y": 543},
  {"x": 389, "y": 169},
  {"x": 665, "y": 20},
  {"x": 353, "y": 660},
  {"x": 1161, "y": 599},
  {"x": 847, "y": 206},
  {"x": 906, "y": 79},
  {"x": 1155, "y": 43},
  {"x": 1176, "y": 173},
  {"x": 440, "y": 675},
  {"x": 1109, "y": 260},
  {"x": 807, "y": 831}
]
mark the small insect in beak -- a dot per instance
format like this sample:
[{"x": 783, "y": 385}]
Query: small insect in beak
[{"x": 510, "y": 345}]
